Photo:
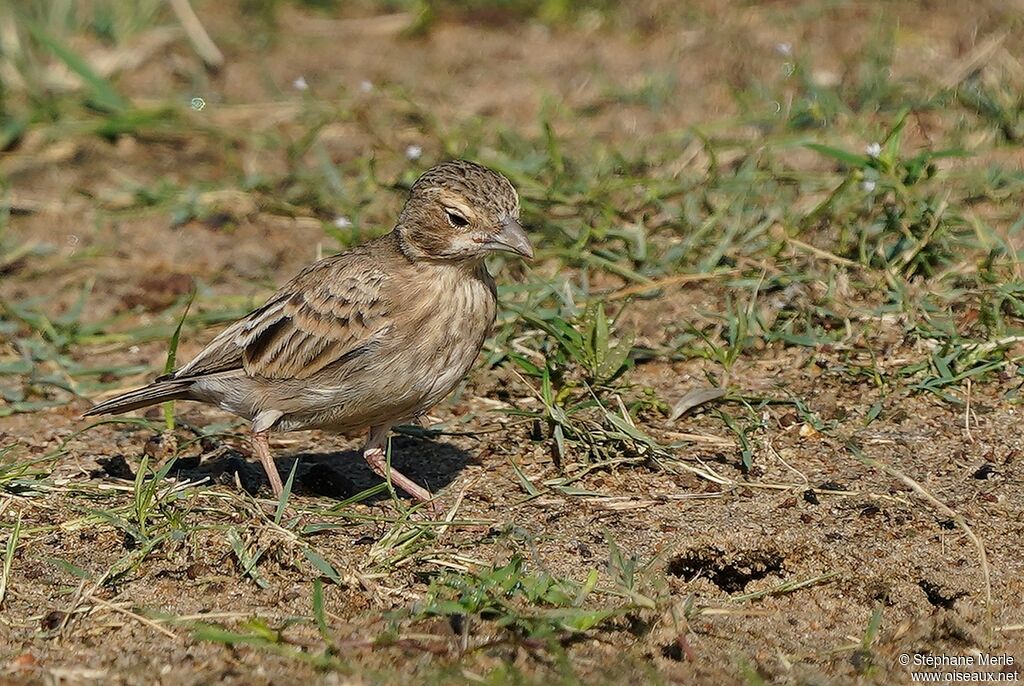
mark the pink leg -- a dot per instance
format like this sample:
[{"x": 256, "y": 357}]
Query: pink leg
[
  {"x": 375, "y": 456},
  {"x": 261, "y": 446}
]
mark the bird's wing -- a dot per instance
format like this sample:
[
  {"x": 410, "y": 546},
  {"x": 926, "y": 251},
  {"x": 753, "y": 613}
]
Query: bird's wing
[{"x": 335, "y": 310}]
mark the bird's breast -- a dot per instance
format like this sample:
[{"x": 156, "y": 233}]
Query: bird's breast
[{"x": 451, "y": 333}]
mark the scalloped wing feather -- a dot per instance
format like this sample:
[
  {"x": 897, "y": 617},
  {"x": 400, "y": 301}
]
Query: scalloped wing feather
[{"x": 329, "y": 314}]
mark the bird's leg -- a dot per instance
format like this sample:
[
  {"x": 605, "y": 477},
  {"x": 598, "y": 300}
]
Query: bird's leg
[
  {"x": 261, "y": 446},
  {"x": 375, "y": 456}
]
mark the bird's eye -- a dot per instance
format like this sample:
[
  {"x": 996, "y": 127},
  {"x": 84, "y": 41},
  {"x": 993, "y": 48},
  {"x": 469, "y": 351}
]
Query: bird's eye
[{"x": 456, "y": 219}]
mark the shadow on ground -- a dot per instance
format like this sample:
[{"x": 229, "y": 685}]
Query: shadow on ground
[
  {"x": 331, "y": 474},
  {"x": 342, "y": 474}
]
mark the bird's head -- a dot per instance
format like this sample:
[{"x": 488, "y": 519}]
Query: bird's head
[{"x": 461, "y": 211}]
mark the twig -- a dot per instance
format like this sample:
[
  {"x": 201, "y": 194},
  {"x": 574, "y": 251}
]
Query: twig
[
  {"x": 975, "y": 59},
  {"x": 786, "y": 587},
  {"x": 139, "y": 618},
  {"x": 204, "y": 46},
  {"x": 381, "y": 25},
  {"x": 911, "y": 253},
  {"x": 823, "y": 254},
  {"x": 669, "y": 281},
  {"x": 700, "y": 438},
  {"x": 450, "y": 515},
  {"x": 967, "y": 414}
]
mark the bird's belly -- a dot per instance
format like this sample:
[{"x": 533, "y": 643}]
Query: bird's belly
[
  {"x": 389, "y": 394},
  {"x": 404, "y": 378}
]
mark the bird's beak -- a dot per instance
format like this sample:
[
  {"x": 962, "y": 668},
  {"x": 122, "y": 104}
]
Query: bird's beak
[{"x": 511, "y": 238}]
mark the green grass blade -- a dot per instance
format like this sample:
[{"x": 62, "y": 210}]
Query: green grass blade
[
  {"x": 12, "y": 545},
  {"x": 848, "y": 158},
  {"x": 103, "y": 94},
  {"x": 172, "y": 354},
  {"x": 527, "y": 485},
  {"x": 325, "y": 567},
  {"x": 282, "y": 502},
  {"x": 318, "y": 610}
]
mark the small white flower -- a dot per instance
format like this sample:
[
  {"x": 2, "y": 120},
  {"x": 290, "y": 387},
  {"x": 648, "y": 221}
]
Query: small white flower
[
  {"x": 342, "y": 222},
  {"x": 868, "y": 185},
  {"x": 365, "y": 86},
  {"x": 300, "y": 84},
  {"x": 785, "y": 49},
  {"x": 873, "y": 149},
  {"x": 134, "y": 350},
  {"x": 414, "y": 152}
]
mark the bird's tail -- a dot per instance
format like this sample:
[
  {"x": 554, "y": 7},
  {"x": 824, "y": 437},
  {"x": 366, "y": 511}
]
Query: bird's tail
[{"x": 156, "y": 392}]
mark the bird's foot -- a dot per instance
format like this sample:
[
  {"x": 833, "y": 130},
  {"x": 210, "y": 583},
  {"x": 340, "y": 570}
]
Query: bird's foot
[{"x": 377, "y": 460}]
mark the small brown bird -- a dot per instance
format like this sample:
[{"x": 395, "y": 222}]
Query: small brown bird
[{"x": 372, "y": 337}]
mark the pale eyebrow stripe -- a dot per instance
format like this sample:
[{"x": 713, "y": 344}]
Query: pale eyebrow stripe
[{"x": 459, "y": 207}]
